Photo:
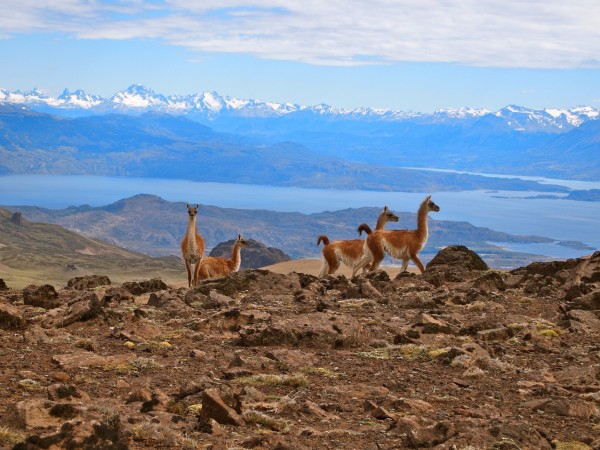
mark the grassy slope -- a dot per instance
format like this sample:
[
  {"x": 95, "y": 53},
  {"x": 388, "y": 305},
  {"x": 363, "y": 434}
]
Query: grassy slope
[{"x": 44, "y": 253}]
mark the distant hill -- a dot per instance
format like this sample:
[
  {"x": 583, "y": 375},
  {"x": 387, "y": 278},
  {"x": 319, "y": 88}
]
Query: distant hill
[
  {"x": 361, "y": 156},
  {"x": 153, "y": 226},
  {"x": 253, "y": 257},
  {"x": 31, "y": 251}
]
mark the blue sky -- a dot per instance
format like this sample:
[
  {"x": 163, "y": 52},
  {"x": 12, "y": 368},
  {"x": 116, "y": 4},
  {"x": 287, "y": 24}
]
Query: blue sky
[{"x": 409, "y": 55}]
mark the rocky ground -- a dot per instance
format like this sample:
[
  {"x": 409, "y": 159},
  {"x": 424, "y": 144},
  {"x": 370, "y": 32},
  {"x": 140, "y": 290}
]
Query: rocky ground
[{"x": 461, "y": 357}]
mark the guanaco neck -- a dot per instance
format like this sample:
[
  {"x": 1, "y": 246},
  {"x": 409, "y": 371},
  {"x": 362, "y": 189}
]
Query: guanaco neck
[
  {"x": 192, "y": 245},
  {"x": 236, "y": 256},
  {"x": 422, "y": 229},
  {"x": 381, "y": 221}
]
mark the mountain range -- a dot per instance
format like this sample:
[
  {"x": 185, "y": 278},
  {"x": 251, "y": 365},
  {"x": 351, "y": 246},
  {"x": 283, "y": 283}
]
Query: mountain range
[
  {"x": 210, "y": 105},
  {"x": 207, "y": 137}
]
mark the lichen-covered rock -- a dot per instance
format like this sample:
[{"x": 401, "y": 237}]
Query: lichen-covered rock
[
  {"x": 458, "y": 257},
  {"x": 44, "y": 296},
  {"x": 10, "y": 318},
  {"x": 213, "y": 407},
  {"x": 144, "y": 287},
  {"x": 88, "y": 282},
  {"x": 254, "y": 256},
  {"x": 255, "y": 280},
  {"x": 80, "y": 309}
]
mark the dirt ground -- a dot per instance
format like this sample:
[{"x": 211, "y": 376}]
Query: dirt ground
[
  {"x": 457, "y": 358},
  {"x": 313, "y": 266}
]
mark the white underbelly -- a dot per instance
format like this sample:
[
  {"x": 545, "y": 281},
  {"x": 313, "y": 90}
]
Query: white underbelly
[
  {"x": 396, "y": 252},
  {"x": 345, "y": 259}
]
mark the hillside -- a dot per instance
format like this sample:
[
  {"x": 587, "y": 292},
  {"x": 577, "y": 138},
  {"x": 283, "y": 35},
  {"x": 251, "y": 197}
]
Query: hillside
[
  {"x": 31, "y": 251},
  {"x": 153, "y": 226},
  {"x": 461, "y": 357},
  {"x": 163, "y": 146}
]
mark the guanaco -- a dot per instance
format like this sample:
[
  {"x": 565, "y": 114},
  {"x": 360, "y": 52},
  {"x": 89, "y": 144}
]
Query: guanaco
[
  {"x": 192, "y": 247},
  {"x": 216, "y": 266},
  {"x": 400, "y": 244},
  {"x": 350, "y": 251}
]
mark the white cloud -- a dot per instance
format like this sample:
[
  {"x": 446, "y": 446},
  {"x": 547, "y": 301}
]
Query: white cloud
[{"x": 495, "y": 33}]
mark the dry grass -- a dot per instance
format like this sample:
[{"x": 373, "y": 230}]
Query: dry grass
[
  {"x": 56, "y": 248},
  {"x": 258, "y": 418},
  {"x": 294, "y": 380},
  {"x": 31, "y": 385},
  {"x": 573, "y": 445},
  {"x": 10, "y": 436},
  {"x": 413, "y": 352},
  {"x": 154, "y": 434},
  {"x": 322, "y": 371},
  {"x": 378, "y": 353}
]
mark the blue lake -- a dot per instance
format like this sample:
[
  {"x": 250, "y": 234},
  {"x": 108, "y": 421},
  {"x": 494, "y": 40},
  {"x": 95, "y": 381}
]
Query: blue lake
[{"x": 504, "y": 211}]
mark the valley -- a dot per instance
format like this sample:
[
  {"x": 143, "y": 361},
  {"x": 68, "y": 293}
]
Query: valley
[{"x": 153, "y": 227}]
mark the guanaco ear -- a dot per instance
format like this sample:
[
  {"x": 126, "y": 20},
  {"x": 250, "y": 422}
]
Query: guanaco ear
[
  {"x": 385, "y": 208},
  {"x": 197, "y": 206},
  {"x": 428, "y": 198},
  {"x": 187, "y": 205},
  {"x": 239, "y": 237}
]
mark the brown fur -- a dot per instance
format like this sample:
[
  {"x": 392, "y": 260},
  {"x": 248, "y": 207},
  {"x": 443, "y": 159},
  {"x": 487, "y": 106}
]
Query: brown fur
[
  {"x": 400, "y": 244},
  {"x": 350, "y": 251},
  {"x": 192, "y": 247},
  {"x": 366, "y": 228},
  {"x": 215, "y": 266}
]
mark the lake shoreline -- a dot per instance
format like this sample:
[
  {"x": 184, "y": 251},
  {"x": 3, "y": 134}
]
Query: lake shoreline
[{"x": 505, "y": 211}]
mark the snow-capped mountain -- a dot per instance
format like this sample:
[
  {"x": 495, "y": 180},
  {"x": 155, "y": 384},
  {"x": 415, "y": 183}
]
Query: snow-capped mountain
[
  {"x": 525, "y": 119},
  {"x": 210, "y": 105},
  {"x": 77, "y": 99}
]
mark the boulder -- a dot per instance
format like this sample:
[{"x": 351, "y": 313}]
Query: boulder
[
  {"x": 11, "y": 318},
  {"x": 144, "y": 287},
  {"x": 33, "y": 413},
  {"x": 66, "y": 392},
  {"x": 213, "y": 407},
  {"x": 458, "y": 257},
  {"x": 489, "y": 282},
  {"x": 81, "y": 309},
  {"x": 17, "y": 219},
  {"x": 583, "y": 321},
  {"x": 44, "y": 296},
  {"x": 418, "y": 433},
  {"x": 88, "y": 282},
  {"x": 310, "y": 330},
  {"x": 253, "y": 257},
  {"x": 255, "y": 280},
  {"x": 84, "y": 359}
]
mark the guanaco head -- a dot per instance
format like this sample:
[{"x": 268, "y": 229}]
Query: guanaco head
[
  {"x": 241, "y": 241},
  {"x": 430, "y": 205},
  {"x": 389, "y": 215},
  {"x": 192, "y": 211}
]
